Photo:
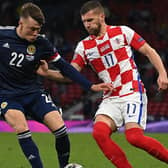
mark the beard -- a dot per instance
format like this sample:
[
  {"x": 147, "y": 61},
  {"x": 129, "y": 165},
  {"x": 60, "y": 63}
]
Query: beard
[{"x": 95, "y": 31}]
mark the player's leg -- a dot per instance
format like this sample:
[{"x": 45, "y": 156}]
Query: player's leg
[
  {"x": 45, "y": 111},
  {"x": 54, "y": 122},
  {"x": 102, "y": 130},
  {"x": 135, "y": 119},
  {"x": 17, "y": 121},
  {"x": 136, "y": 137}
]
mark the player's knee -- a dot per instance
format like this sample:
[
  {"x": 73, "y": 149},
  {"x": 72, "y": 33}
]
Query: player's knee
[
  {"x": 20, "y": 128},
  {"x": 134, "y": 136},
  {"x": 16, "y": 120},
  {"x": 101, "y": 131}
]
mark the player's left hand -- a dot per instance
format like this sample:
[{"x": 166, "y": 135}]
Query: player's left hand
[
  {"x": 102, "y": 87},
  {"x": 162, "y": 82},
  {"x": 43, "y": 68}
]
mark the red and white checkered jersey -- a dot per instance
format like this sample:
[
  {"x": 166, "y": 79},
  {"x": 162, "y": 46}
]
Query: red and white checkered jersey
[{"x": 111, "y": 57}]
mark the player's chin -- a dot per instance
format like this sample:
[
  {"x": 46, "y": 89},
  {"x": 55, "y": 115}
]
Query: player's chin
[
  {"x": 32, "y": 39},
  {"x": 91, "y": 31}
]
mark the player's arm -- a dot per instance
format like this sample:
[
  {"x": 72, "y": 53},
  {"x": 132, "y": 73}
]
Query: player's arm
[
  {"x": 55, "y": 75},
  {"x": 76, "y": 66},
  {"x": 155, "y": 59},
  {"x": 70, "y": 72}
]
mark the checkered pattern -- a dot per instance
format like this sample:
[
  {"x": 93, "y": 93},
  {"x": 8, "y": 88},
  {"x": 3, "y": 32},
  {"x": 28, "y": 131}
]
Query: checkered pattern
[{"x": 112, "y": 59}]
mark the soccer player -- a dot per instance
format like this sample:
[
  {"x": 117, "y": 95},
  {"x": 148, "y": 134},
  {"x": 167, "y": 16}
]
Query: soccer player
[
  {"x": 21, "y": 50},
  {"x": 108, "y": 50}
]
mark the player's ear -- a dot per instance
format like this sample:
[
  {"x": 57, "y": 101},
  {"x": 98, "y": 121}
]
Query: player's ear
[
  {"x": 20, "y": 22},
  {"x": 102, "y": 16}
]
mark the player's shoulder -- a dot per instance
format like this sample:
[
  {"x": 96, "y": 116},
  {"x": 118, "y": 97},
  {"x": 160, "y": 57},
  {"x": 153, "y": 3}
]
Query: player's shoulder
[
  {"x": 43, "y": 42},
  {"x": 85, "y": 39},
  {"x": 7, "y": 30},
  {"x": 118, "y": 27},
  {"x": 42, "y": 39}
]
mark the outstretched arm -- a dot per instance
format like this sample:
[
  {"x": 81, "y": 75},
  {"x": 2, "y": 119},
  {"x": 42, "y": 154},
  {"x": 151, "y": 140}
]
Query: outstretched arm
[
  {"x": 155, "y": 59},
  {"x": 71, "y": 72},
  {"x": 55, "y": 75}
]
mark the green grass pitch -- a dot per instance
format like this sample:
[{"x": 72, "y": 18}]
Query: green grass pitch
[{"x": 83, "y": 151}]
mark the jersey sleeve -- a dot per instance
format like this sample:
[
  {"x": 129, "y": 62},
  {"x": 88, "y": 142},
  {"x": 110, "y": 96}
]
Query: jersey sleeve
[
  {"x": 79, "y": 55},
  {"x": 54, "y": 57},
  {"x": 133, "y": 38},
  {"x": 49, "y": 52}
]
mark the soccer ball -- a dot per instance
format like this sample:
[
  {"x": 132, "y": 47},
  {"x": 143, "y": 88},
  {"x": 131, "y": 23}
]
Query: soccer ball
[{"x": 73, "y": 165}]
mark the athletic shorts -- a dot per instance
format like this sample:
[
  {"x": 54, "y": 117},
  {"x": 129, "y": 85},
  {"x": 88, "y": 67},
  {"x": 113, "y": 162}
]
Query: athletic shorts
[
  {"x": 35, "y": 105},
  {"x": 131, "y": 108}
]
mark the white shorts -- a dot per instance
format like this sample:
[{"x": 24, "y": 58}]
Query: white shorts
[{"x": 131, "y": 108}]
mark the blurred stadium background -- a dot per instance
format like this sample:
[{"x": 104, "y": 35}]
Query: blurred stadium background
[{"x": 64, "y": 28}]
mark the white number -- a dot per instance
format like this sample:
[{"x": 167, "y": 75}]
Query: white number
[
  {"x": 14, "y": 55},
  {"x": 47, "y": 98},
  {"x": 21, "y": 57},
  {"x": 13, "y": 61}
]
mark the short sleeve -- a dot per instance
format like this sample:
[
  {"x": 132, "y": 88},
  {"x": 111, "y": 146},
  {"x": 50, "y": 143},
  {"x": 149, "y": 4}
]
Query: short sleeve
[
  {"x": 79, "y": 56},
  {"x": 133, "y": 38}
]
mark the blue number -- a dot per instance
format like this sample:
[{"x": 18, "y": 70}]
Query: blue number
[
  {"x": 109, "y": 59},
  {"x": 133, "y": 106}
]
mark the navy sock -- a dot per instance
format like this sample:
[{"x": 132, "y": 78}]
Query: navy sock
[
  {"x": 30, "y": 149},
  {"x": 62, "y": 146}
]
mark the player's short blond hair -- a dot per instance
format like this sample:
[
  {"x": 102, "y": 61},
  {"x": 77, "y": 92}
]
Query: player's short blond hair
[{"x": 32, "y": 10}]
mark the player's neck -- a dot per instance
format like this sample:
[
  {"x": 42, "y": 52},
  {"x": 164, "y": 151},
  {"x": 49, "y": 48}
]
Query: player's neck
[
  {"x": 102, "y": 31},
  {"x": 18, "y": 31}
]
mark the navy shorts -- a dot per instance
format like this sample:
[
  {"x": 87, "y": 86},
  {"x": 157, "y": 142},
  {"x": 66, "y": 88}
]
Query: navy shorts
[{"x": 35, "y": 105}]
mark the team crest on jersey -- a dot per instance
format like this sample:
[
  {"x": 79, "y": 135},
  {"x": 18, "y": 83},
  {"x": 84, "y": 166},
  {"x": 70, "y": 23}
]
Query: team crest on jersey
[
  {"x": 3, "y": 105},
  {"x": 31, "y": 49},
  {"x": 118, "y": 40}
]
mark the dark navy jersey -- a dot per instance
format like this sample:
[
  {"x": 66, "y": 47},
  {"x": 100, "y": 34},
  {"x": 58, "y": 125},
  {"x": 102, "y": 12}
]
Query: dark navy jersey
[{"x": 19, "y": 60}]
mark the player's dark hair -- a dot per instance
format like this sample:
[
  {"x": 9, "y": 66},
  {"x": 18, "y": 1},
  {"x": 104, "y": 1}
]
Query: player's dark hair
[
  {"x": 90, "y": 5},
  {"x": 32, "y": 10}
]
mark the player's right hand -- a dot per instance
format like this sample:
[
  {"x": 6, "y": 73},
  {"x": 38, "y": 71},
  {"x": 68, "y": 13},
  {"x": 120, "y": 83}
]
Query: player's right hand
[{"x": 102, "y": 87}]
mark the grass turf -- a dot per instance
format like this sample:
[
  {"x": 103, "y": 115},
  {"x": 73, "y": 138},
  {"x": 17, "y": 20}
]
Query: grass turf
[{"x": 83, "y": 151}]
